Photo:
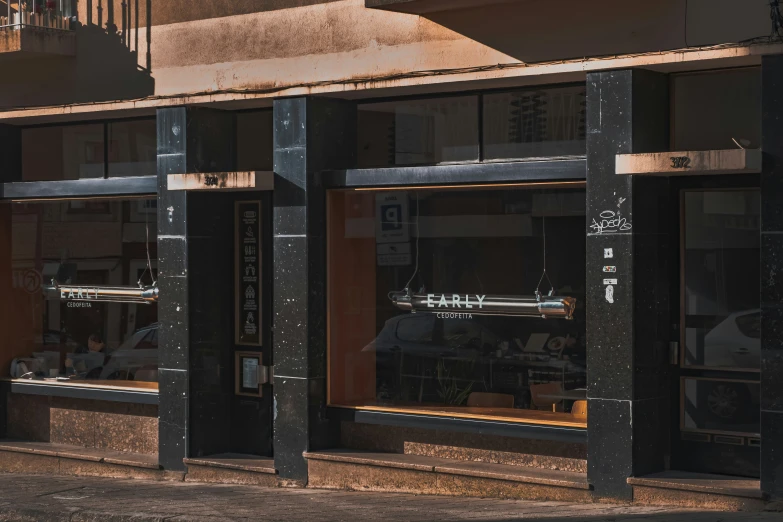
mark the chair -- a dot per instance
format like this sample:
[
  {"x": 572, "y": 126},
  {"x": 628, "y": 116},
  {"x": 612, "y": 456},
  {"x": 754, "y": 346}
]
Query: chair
[
  {"x": 490, "y": 400},
  {"x": 579, "y": 408},
  {"x": 538, "y": 391}
]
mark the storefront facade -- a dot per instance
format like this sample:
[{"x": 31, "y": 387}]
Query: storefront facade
[{"x": 554, "y": 286}]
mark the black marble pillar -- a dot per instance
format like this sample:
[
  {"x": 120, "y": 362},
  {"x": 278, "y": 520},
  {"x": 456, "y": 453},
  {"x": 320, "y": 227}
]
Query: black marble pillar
[
  {"x": 772, "y": 276},
  {"x": 192, "y": 407},
  {"x": 310, "y": 135},
  {"x": 627, "y": 321}
]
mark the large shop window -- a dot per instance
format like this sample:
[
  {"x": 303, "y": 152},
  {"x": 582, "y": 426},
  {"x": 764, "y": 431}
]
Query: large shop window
[
  {"x": 96, "y": 150},
  {"x": 529, "y": 123},
  {"x": 471, "y": 341},
  {"x": 81, "y": 244}
]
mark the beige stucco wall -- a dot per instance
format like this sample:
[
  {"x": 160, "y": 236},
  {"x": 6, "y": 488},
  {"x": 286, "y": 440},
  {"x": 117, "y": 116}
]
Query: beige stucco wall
[{"x": 343, "y": 43}]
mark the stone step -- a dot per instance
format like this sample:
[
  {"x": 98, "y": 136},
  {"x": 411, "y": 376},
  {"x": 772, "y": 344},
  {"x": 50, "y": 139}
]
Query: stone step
[
  {"x": 394, "y": 472},
  {"x": 698, "y": 490},
  {"x": 17, "y": 456},
  {"x": 496, "y": 457},
  {"x": 232, "y": 468}
]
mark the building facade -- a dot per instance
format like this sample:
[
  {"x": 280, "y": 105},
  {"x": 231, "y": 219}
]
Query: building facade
[{"x": 486, "y": 248}]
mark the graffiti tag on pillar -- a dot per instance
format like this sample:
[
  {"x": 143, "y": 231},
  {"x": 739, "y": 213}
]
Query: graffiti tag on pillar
[{"x": 610, "y": 221}]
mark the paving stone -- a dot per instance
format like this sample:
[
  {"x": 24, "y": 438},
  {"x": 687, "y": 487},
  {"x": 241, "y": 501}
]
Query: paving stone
[{"x": 88, "y": 499}]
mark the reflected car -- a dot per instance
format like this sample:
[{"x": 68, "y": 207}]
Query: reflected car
[
  {"x": 424, "y": 335},
  {"x": 735, "y": 342},
  {"x": 136, "y": 359}
]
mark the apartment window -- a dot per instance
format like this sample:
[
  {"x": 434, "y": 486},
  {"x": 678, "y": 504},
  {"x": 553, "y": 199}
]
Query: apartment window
[
  {"x": 525, "y": 123},
  {"x": 535, "y": 123},
  {"x": 96, "y": 150}
]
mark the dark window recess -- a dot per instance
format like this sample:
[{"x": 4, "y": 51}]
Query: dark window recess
[
  {"x": 133, "y": 148},
  {"x": 254, "y": 140},
  {"x": 95, "y": 150},
  {"x": 418, "y": 132},
  {"x": 530, "y": 123},
  {"x": 63, "y": 152},
  {"x": 717, "y": 110}
]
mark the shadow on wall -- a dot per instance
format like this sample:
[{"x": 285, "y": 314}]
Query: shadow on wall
[
  {"x": 543, "y": 30},
  {"x": 106, "y": 65}
]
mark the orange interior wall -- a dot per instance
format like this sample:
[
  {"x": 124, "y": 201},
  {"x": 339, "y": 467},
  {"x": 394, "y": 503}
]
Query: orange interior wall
[
  {"x": 20, "y": 311},
  {"x": 351, "y": 301}
]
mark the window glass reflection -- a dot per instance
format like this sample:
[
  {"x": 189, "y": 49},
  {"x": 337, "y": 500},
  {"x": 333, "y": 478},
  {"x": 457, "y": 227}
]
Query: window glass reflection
[
  {"x": 471, "y": 245},
  {"x": 535, "y": 123},
  {"x": 721, "y": 276},
  {"x": 83, "y": 243},
  {"x": 63, "y": 152},
  {"x": 416, "y": 132},
  {"x": 133, "y": 148}
]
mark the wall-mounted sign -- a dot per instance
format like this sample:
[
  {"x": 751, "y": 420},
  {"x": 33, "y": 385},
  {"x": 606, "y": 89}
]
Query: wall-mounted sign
[
  {"x": 729, "y": 161},
  {"x": 392, "y": 230},
  {"x": 545, "y": 307},
  {"x": 391, "y": 218},
  {"x": 247, "y": 289},
  {"x": 250, "y": 180},
  {"x": 249, "y": 374}
]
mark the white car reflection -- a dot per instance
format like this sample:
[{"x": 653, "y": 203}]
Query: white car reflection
[
  {"x": 735, "y": 342},
  {"x": 136, "y": 359}
]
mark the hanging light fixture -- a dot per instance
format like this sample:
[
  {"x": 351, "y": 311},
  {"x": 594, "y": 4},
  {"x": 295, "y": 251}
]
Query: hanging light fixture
[
  {"x": 544, "y": 307},
  {"x": 102, "y": 294}
]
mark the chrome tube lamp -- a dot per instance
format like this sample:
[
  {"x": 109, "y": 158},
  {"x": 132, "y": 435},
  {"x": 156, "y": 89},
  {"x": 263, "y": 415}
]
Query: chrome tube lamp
[
  {"x": 102, "y": 294},
  {"x": 540, "y": 306}
]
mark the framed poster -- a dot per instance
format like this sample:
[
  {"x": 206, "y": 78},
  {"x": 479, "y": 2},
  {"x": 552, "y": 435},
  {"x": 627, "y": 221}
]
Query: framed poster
[
  {"x": 247, "y": 288},
  {"x": 247, "y": 373}
]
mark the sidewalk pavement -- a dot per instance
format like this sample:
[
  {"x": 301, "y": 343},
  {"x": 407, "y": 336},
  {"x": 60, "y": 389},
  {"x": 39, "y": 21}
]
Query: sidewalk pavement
[{"x": 80, "y": 499}]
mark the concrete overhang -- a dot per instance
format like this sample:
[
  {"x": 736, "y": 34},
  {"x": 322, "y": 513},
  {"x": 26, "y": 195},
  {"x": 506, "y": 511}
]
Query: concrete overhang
[
  {"x": 18, "y": 42},
  {"x": 421, "y": 7}
]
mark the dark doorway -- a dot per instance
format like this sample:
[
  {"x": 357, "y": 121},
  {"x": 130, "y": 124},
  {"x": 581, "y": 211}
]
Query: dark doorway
[{"x": 715, "y": 382}]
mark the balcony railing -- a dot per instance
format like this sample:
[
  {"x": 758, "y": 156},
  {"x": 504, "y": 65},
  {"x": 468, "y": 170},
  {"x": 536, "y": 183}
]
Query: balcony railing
[{"x": 47, "y": 14}]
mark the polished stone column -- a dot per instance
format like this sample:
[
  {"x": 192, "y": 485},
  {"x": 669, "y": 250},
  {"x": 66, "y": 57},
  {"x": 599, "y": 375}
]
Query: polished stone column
[
  {"x": 628, "y": 321},
  {"x": 772, "y": 276},
  {"x": 193, "y": 409},
  {"x": 310, "y": 135}
]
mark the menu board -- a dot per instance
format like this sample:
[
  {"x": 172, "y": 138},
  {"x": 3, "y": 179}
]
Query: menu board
[{"x": 247, "y": 292}]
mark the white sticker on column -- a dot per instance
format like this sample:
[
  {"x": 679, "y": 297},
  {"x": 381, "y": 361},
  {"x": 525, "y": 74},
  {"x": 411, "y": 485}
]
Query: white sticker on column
[
  {"x": 608, "y": 253},
  {"x": 610, "y": 294}
]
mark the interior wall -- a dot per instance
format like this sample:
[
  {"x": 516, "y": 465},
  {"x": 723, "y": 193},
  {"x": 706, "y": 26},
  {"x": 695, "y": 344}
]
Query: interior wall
[{"x": 352, "y": 300}]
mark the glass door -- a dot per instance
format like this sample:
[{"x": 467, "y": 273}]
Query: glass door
[{"x": 719, "y": 357}]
